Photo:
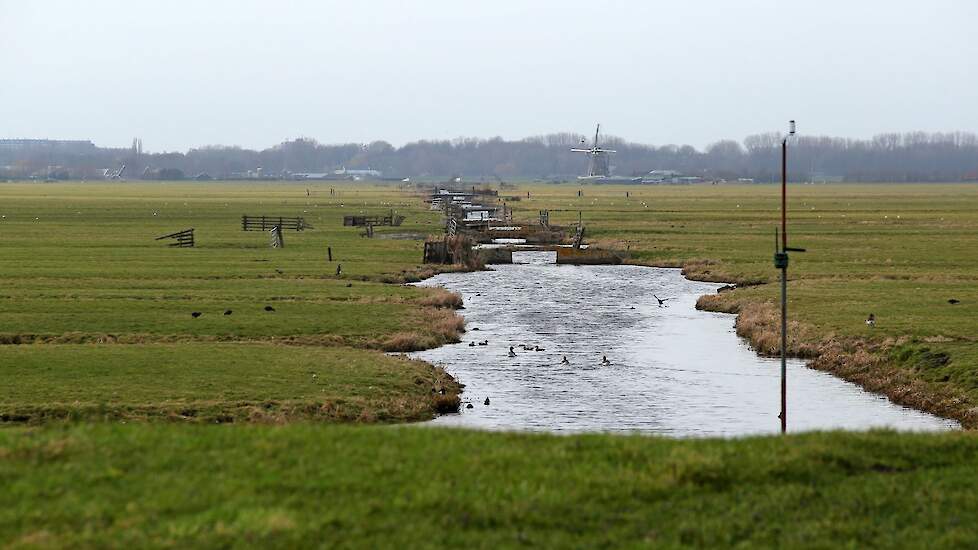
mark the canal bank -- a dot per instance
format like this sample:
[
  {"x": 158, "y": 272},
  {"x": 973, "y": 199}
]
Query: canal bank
[{"x": 675, "y": 370}]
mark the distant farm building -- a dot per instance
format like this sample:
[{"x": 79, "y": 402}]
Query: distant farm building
[
  {"x": 819, "y": 177},
  {"x": 312, "y": 176},
  {"x": 669, "y": 176},
  {"x": 358, "y": 174},
  {"x": 69, "y": 146},
  {"x": 340, "y": 174}
]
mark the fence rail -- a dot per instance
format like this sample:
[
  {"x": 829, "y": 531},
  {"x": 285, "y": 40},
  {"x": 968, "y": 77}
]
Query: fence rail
[
  {"x": 266, "y": 223},
  {"x": 184, "y": 239},
  {"x": 392, "y": 220}
]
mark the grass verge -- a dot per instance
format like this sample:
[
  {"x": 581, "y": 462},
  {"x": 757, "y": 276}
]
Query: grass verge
[{"x": 312, "y": 485}]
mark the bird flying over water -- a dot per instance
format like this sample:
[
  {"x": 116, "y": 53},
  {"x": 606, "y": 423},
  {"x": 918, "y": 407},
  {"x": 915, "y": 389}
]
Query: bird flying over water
[{"x": 661, "y": 301}]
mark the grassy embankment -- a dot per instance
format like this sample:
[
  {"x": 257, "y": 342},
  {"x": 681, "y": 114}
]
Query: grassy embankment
[
  {"x": 166, "y": 485},
  {"x": 898, "y": 251},
  {"x": 82, "y": 268}
]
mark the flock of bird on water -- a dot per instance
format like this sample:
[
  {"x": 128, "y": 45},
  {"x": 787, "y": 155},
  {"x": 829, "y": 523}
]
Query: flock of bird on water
[
  {"x": 605, "y": 362},
  {"x": 870, "y": 322}
]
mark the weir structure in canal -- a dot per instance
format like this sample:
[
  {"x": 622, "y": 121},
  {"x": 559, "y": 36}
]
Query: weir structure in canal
[{"x": 493, "y": 235}]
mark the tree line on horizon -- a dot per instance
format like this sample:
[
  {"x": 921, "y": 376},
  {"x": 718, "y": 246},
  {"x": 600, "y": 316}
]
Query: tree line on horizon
[{"x": 892, "y": 157}]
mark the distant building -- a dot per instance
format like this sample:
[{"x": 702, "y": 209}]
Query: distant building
[
  {"x": 312, "y": 176},
  {"x": 358, "y": 174},
  {"x": 819, "y": 177},
  {"x": 47, "y": 145},
  {"x": 662, "y": 176}
]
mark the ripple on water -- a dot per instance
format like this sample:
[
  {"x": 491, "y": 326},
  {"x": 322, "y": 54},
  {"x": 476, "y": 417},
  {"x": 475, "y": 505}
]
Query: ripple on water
[{"x": 675, "y": 370}]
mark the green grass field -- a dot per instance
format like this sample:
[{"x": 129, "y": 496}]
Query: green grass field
[
  {"x": 106, "y": 309},
  {"x": 164, "y": 485},
  {"x": 110, "y": 386}
]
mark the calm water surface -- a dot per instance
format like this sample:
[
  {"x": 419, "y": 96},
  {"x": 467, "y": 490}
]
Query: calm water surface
[{"x": 674, "y": 370}]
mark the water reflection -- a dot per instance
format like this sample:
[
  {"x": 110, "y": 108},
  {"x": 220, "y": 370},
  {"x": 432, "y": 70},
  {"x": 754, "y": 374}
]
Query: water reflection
[{"x": 674, "y": 370}]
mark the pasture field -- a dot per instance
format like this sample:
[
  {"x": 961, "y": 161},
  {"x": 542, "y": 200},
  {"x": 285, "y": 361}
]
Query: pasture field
[
  {"x": 111, "y": 388},
  {"x": 98, "y": 314}
]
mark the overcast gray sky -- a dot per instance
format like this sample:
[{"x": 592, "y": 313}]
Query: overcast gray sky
[{"x": 181, "y": 73}]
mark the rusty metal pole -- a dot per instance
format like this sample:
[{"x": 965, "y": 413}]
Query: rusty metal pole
[
  {"x": 781, "y": 261},
  {"x": 784, "y": 286}
]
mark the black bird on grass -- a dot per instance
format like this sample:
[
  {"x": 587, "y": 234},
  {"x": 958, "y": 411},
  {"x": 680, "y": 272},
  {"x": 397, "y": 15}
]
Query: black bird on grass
[
  {"x": 227, "y": 312},
  {"x": 871, "y": 320},
  {"x": 269, "y": 308},
  {"x": 953, "y": 301},
  {"x": 195, "y": 314}
]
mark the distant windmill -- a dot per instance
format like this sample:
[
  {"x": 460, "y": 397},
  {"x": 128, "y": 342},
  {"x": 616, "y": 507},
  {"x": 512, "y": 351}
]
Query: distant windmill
[{"x": 599, "y": 164}]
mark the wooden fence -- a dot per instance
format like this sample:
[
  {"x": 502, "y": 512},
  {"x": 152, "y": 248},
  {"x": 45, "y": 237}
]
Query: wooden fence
[
  {"x": 266, "y": 223},
  {"x": 392, "y": 220},
  {"x": 184, "y": 239}
]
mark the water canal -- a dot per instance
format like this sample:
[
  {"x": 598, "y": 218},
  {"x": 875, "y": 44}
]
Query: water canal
[{"x": 674, "y": 370}]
